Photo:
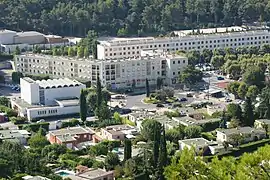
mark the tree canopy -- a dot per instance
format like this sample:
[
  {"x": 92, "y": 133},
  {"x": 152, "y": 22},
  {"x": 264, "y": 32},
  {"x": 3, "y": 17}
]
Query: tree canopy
[{"x": 128, "y": 17}]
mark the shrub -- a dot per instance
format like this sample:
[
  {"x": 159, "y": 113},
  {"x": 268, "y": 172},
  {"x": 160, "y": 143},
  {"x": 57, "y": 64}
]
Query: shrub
[
  {"x": 18, "y": 120},
  {"x": 36, "y": 126},
  {"x": 10, "y": 112}
]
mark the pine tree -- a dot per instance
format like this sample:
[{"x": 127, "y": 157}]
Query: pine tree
[
  {"x": 248, "y": 118},
  {"x": 127, "y": 149},
  {"x": 147, "y": 88},
  {"x": 83, "y": 107}
]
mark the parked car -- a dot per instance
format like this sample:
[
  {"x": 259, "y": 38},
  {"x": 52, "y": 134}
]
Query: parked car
[
  {"x": 220, "y": 78},
  {"x": 160, "y": 105},
  {"x": 183, "y": 99}
]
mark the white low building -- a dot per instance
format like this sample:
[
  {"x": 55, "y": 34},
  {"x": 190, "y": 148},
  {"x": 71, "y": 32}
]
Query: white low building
[
  {"x": 230, "y": 37},
  {"x": 47, "y": 98},
  {"x": 243, "y": 134},
  {"x": 115, "y": 74}
]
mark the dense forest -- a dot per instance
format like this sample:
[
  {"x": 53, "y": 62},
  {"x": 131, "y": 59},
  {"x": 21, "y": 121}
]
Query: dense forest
[{"x": 127, "y": 17}]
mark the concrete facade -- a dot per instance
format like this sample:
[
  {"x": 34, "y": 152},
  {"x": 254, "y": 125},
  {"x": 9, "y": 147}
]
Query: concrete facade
[
  {"x": 130, "y": 47},
  {"x": 115, "y": 74}
]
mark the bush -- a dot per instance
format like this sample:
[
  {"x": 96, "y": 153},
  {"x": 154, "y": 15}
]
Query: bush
[
  {"x": 209, "y": 136},
  {"x": 36, "y": 126},
  {"x": 10, "y": 112},
  {"x": 71, "y": 123},
  {"x": 4, "y": 57},
  {"x": 18, "y": 120},
  {"x": 210, "y": 126}
]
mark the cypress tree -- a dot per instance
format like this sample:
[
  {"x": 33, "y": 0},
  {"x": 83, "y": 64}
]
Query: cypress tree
[
  {"x": 147, "y": 88},
  {"x": 127, "y": 149},
  {"x": 248, "y": 118},
  {"x": 163, "y": 157},
  {"x": 99, "y": 93},
  {"x": 83, "y": 107},
  {"x": 156, "y": 147}
]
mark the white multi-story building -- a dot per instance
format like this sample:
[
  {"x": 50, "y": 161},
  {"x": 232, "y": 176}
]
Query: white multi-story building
[
  {"x": 186, "y": 40},
  {"x": 47, "y": 98},
  {"x": 116, "y": 74}
]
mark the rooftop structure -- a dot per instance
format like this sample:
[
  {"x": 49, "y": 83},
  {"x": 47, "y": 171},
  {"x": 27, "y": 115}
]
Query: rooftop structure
[
  {"x": 20, "y": 136},
  {"x": 85, "y": 173},
  {"x": 248, "y": 134},
  {"x": 209, "y": 31},
  {"x": 35, "y": 178},
  {"x": 71, "y": 136},
  {"x": 232, "y": 37},
  {"x": 116, "y": 132},
  {"x": 189, "y": 121}
]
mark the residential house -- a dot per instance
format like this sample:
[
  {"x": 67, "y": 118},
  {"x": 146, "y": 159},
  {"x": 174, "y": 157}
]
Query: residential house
[
  {"x": 34, "y": 178},
  {"x": 71, "y": 136},
  {"x": 262, "y": 124},
  {"x": 244, "y": 134},
  {"x": 19, "y": 136},
  {"x": 116, "y": 132},
  {"x": 85, "y": 173}
]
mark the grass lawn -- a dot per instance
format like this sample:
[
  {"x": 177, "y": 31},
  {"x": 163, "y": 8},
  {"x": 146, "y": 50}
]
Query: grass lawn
[
  {"x": 151, "y": 100},
  {"x": 126, "y": 121}
]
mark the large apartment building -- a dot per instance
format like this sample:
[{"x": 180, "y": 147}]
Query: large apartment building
[
  {"x": 115, "y": 74},
  {"x": 186, "y": 40}
]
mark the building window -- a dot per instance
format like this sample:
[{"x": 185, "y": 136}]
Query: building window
[
  {"x": 173, "y": 62},
  {"x": 173, "y": 73},
  {"x": 178, "y": 62}
]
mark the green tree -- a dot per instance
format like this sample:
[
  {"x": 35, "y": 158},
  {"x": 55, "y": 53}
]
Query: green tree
[
  {"x": 83, "y": 106},
  {"x": 17, "y": 50},
  {"x": 71, "y": 52},
  {"x": 16, "y": 77},
  {"x": 103, "y": 112},
  {"x": 80, "y": 52},
  {"x": 248, "y": 113},
  {"x": 149, "y": 128},
  {"x": 242, "y": 90},
  {"x": 147, "y": 88},
  {"x": 99, "y": 94},
  {"x": 163, "y": 156},
  {"x": 127, "y": 149},
  {"x": 175, "y": 134},
  {"x": 186, "y": 165},
  {"x": 264, "y": 106},
  {"x": 4, "y": 101},
  {"x": 193, "y": 132},
  {"x": 111, "y": 161},
  {"x": 252, "y": 92},
  {"x": 38, "y": 141},
  {"x": 190, "y": 76},
  {"x": 217, "y": 61},
  {"x": 86, "y": 52},
  {"x": 234, "y": 111},
  {"x": 254, "y": 76},
  {"x": 233, "y": 88}
]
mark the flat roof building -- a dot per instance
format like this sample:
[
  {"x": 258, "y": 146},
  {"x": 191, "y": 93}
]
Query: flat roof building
[
  {"x": 227, "y": 37},
  {"x": 71, "y": 137},
  {"x": 114, "y": 73},
  {"x": 247, "y": 133},
  {"x": 19, "y": 136},
  {"x": 45, "y": 98}
]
